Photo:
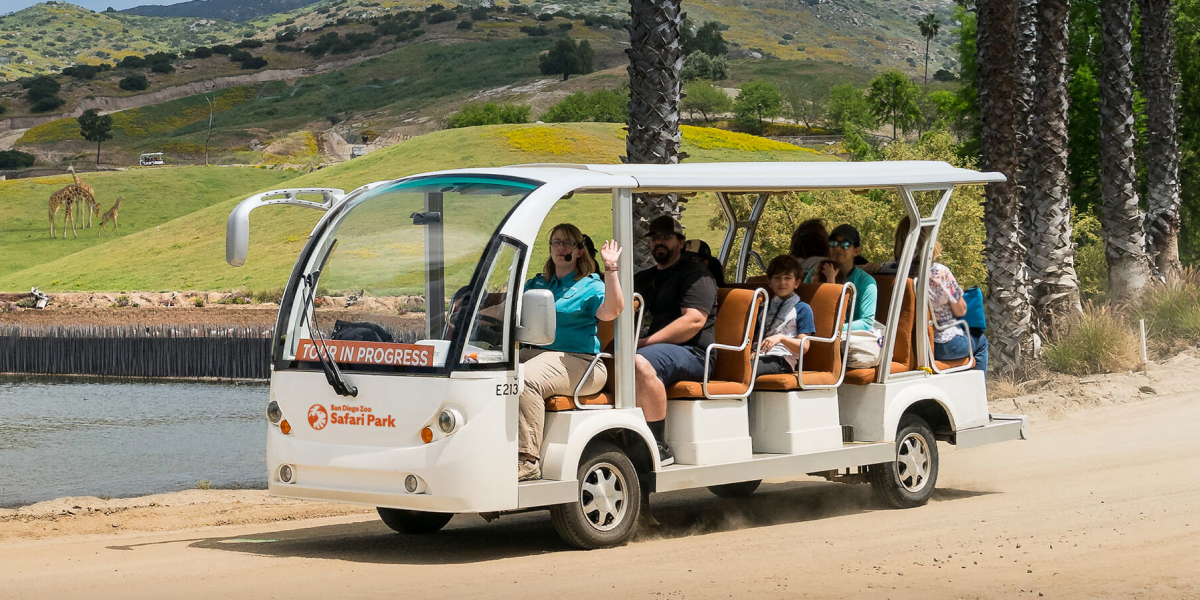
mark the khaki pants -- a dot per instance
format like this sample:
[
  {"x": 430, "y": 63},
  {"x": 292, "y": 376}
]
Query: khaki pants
[{"x": 549, "y": 373}]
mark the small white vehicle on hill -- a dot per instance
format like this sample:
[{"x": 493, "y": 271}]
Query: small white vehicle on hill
[
  {"x": 151, "y": 159},
  {"x": 418, "y": 417}
]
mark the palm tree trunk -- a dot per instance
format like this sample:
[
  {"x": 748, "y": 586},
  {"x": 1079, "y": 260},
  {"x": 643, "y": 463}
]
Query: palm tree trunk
[
  {"x": 1055, "y": 287},
  {"x": 1027, "y": 40},
  {"x": 927, "y": 40},
  {"x": 1160, "y": 79},
  {"x": 1120, "y": 215},
  {"x": 655, "y": 57},
  {"x": 1008, "y": 299}
]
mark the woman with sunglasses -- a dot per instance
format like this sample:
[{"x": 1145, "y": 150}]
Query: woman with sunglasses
[
  {"x": 581, "y": 299},
  {"x": 844, "y": 247}
]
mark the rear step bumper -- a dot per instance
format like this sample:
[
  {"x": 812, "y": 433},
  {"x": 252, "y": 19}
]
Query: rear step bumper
[{"x": 1001, "y": 429}]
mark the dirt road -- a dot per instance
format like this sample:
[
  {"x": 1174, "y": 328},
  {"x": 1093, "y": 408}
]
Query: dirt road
[{"x": 1103, "y": 503}]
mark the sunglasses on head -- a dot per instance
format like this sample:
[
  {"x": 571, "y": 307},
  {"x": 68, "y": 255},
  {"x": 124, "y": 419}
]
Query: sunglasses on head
[{"x": 844, "y": 244}]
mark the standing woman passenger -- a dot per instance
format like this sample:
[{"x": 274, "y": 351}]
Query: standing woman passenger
[
  {"x": 844, "y": 247},
  {"x": 580, "y": 300},
  {"x": 810, "y": 245}
]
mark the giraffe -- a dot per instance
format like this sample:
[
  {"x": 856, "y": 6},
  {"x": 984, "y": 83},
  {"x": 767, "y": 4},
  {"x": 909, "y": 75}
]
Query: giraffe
[
  {"x": 110, "y": 215},
  {"x": 64, "y": 198},
  {"x": 89, "y": 203}
]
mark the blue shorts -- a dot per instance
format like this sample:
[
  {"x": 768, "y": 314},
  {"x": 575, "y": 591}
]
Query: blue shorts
[{"x": 674, "y": 363}]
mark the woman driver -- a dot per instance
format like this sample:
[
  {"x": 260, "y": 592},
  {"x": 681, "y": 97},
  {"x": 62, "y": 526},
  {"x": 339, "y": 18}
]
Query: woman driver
[{"x": 580, "y": 300}]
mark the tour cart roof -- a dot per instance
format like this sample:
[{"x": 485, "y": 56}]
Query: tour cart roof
[{"x": 750, "y": 177}]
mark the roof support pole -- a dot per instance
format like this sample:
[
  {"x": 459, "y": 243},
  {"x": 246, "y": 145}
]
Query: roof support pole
[
  {"x": 730, "y": 232},
  {"x": 903, "y": 266},
  {"x": 748, "y": 236},
  {"x": 624, "y": 338},
  {"x": 435, "y": 267}
]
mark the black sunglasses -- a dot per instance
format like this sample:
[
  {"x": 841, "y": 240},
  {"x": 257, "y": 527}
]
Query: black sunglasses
[{"x": 845, "y": 244}]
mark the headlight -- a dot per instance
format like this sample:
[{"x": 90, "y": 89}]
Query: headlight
[
  {"x": 449, "y": 421},
  {"x": 274, "y": 415}
]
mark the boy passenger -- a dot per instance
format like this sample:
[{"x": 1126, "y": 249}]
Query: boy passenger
[
  {"x": 681, "y": 308},
  {"x": 789, "y": 320}
]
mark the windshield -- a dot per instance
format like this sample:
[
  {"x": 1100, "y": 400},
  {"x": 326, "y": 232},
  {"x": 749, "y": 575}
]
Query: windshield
[{"x": 395, "y": 272}]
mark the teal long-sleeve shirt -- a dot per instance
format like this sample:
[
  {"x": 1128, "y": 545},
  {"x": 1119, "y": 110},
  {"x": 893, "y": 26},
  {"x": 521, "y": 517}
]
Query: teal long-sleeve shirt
[{"x": 863, "y": 315}]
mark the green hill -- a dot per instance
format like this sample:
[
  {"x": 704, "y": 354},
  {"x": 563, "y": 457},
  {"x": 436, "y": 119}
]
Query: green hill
[
  {"x": 189, "y": 252},
  {"x": 152, "y": 198}
]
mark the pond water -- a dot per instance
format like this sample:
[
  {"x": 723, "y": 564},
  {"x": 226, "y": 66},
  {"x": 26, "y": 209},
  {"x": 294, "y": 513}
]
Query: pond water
[{"x": 104, "y": 438}]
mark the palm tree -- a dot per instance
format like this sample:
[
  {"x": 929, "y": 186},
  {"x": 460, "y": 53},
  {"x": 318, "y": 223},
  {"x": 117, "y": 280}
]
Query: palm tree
[
  {"x": 1160, "y": 85},
  {"x": 929, "y": 29},
  {"x": 1027, "y": 38},
  {"x": 1008, "y": 299},
  {"x": 1055, "y": 287},
  {"x": 655, "y": 56},
  {"x": 1120, "y": 215}
]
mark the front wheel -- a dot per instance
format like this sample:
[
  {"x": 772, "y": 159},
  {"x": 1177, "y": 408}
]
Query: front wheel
[
  {"x": 413, "y": 521},
  {"x": 610, "y": 501},
  {"x": 908, "y": 481}
]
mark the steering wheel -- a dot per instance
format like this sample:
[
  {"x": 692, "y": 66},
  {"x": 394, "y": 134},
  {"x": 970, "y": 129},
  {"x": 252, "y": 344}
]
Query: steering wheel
[{"x": 489, "y": 330}]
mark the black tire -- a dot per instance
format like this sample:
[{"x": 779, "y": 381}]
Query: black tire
[
  {"x": 740, "y": 489},
  {"x": 413, "y": 521},
  {"x": 601, "y": 528},
  {"x": 897, "y": 483}
]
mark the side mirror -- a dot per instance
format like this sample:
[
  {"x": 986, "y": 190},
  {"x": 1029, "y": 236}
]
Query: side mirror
[{"x": 538, "y": 318}]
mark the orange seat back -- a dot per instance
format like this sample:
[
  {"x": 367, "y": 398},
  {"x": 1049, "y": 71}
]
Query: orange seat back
[
  {"x": 734, "y": 308},
  {"x": 904, "y": 349},
  {"x": 823, "y": 299}
]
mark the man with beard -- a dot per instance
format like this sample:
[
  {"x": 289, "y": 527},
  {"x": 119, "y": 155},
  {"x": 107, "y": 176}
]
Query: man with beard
[{"x": 681, "y": 309}]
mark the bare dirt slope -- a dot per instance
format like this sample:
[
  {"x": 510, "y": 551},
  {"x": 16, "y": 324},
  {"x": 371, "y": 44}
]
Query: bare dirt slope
[{"x": 1101, "y": 503}]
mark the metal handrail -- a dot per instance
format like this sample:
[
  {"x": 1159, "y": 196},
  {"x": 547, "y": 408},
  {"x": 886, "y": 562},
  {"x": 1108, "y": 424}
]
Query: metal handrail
[
  {"x": 970, "y": 344},
  {"x": 841, "y": 333},
  {"x": 641, "y": 309},
  {"x": 760, "y": 299}
]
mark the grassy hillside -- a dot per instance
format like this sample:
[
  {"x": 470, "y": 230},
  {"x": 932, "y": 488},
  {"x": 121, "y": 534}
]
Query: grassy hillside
[
  {"x": 44, "y": 36},
  {"x": 152, "y": 197},
  {"x": 188, "y": 252}
]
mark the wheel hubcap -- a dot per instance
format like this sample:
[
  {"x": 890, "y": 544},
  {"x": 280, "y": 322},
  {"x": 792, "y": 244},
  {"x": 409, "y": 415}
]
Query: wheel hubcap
[
  {"x": 912, "y": 462},
  {"x": 603, "y": 497}
]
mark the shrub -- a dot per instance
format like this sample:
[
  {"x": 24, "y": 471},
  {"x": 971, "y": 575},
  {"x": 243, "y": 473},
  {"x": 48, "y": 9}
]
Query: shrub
[
  {"x": 517, "y": 9},
  {"x": 84, "y": 72},
  {"x": 1172, "y": 309},
  {"x": 132, "y": 62},
  {"x": 440, "y": 16},
  {"x": 273, "y": 296},
  {"x": 566, "y": 26},
  {"x": 134, "y": 83},
  {"x": 601, "y": 106},
  {"x": 1098, "y": 342},
  {"x": 198, "y": 302},
  {"x": 479, "y": 14},
  {"x": 48, "y": 104},
  {"x": 538, "y": 31},
  {"x": 15, "y": 159},
  {"x": 122, "y": 301},
  {"x": 466, "y": 24},
  {"x": 3, "y": 109},
  {"x": 254, "y": 62},
  {"x": 163, "y": 68},
  {"x": 202, "y": 52},
  {"x": 545, "y": 17},
  {"x": 221, "y": 49},
  {"x": 239, "y": 56},
  {"x": 161, "y": 57},
  {"x": 699, "y": 65},
  {"x": 474, "y": 115},
  {"x": 251, "y": 43},
  {"x": 287, "y": 35}
]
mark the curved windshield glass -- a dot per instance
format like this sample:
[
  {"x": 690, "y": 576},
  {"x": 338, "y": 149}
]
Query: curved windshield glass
[{"x": 393, "y": 273}]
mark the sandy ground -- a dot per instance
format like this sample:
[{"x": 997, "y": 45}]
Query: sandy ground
[{"x": 1102, "y": 502}]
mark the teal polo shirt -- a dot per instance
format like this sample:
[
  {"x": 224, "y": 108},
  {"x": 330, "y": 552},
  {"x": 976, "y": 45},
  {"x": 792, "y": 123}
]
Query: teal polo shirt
[{"x": 575, "y": 302}]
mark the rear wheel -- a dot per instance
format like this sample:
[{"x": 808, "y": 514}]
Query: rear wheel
[
  {"x": 740, "y": 489},
  {"x": 413, "y": 521},
  {"x": 610, "y": 501},
  {"x": 908, "y": 481}
]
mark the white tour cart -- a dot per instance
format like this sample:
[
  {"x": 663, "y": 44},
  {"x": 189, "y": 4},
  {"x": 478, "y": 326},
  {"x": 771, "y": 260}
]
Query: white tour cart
[
  {"x": 417, "y": 414},
  {"x": 151, "y": 159}
]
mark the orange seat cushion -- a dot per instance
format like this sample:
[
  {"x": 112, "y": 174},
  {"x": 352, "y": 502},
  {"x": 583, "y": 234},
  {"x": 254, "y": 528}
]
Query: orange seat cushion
[
  {"x": 787, "y": 382},
  {"x": 561, "y": 403},
  {"x": 865, "y": 376},
  {"x": 693, "y": 390},
  {"x": 958, "y": 362}
]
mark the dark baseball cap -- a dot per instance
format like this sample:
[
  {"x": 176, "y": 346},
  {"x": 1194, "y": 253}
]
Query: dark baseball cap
[
  {"x": 665, "y": 224},
  {"x": 848, "y": 233}
]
